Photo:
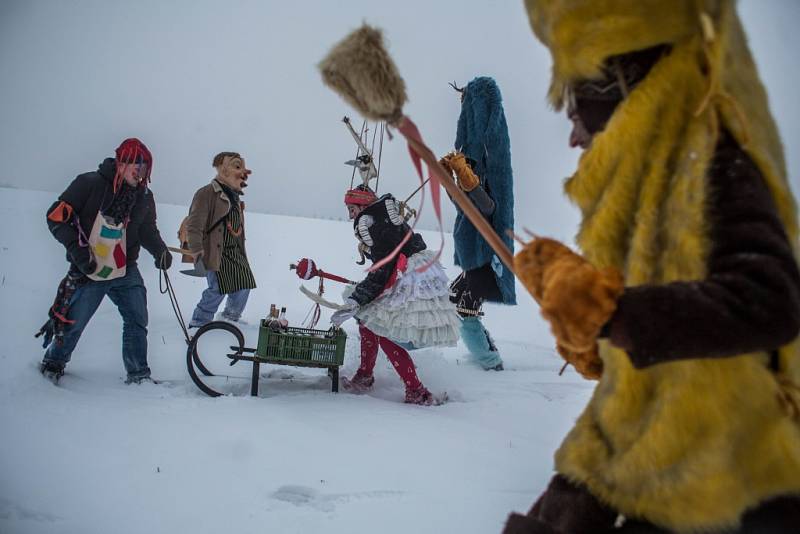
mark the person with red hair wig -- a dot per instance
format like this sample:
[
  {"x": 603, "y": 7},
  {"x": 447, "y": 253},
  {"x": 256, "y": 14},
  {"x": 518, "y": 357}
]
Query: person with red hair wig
[{"x": 102, "y": 219}]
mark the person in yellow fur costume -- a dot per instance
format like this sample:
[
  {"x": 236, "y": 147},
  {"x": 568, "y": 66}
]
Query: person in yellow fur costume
[{"x": 685, "y": 298}]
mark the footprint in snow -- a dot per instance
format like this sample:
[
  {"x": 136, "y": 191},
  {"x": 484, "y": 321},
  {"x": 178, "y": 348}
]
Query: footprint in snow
[
  {"x": 305, "y": 496},
  {"x": 11, "y": 511}
]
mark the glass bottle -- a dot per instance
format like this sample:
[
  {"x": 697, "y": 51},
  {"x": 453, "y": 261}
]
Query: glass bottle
[
  {"x": 282, "y": 320},
  {"x": 272, "y": 319}
]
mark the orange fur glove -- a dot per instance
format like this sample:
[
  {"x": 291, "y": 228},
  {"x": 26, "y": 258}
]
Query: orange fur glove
[
  {"x": 575, "y": 297},
  {"x": 588, "y": 364},
  {"x": 466, "y": 179}
]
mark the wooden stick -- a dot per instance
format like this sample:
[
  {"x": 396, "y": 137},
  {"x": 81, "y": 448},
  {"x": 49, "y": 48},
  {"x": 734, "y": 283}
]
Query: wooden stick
[
  {"x": 416, "y": 190},
  {"x": 466, "y": 205}
]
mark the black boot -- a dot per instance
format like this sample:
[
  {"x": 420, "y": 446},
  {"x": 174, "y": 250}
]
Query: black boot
[{"x": 52, "y": 370}]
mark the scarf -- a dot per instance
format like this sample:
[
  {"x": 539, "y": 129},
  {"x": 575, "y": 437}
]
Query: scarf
[{"x": 122, "y": 204}]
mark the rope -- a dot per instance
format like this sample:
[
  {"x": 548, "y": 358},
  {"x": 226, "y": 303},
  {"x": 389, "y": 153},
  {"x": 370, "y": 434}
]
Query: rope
[
  {"x": 358, "y": 150},
  {"x": 166, "y": 287},
  {"x": 411, "y": 133},
  {"x": 314, "y": 314},
  {"x": 374, "y": 135},
  {"x": 380, "y": 155},
  {"x": 715, "y": 94}
]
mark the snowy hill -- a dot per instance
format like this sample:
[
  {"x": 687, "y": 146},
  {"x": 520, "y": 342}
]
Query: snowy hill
[{"x": 93, "y": 455}]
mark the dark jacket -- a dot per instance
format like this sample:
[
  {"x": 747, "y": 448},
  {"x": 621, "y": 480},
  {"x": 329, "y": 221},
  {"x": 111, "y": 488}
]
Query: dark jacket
[
  {"x": 380, "y": 228},
  {"x": 93, "y": 191},
  {"x": 750, "y": 298},
  {"x": 568, "y": 508}
]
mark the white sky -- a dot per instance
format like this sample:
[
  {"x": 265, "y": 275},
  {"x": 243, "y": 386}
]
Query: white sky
[{"x": 193, "y": 78}]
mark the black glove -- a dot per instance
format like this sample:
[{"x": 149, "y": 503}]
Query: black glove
[
  {"x": 81, "y": 257},
  {"x": 164, "y": 262}
]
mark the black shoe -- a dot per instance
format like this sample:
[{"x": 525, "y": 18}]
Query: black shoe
[
  {"x": 52, "y": 370},
  {"x": 498, "y": 367}
]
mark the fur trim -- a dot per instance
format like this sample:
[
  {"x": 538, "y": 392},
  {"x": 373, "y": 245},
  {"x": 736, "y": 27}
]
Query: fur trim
[
  {"x": 581, "y": 34},
  {"x": 361, "y": 71},
  {"x": 689, "y": 445}
]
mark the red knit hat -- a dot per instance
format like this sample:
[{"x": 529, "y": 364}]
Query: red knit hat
[
  {"x": 360, "y": 196},
  {"x": 133, "y": 151}
]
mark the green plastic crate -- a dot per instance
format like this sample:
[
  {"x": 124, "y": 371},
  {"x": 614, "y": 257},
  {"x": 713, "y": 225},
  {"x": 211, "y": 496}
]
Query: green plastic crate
[{"x": 301, "y": 346}]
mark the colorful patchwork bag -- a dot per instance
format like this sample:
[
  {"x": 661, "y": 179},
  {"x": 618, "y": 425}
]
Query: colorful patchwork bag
[{"x": 108, "y": 246}]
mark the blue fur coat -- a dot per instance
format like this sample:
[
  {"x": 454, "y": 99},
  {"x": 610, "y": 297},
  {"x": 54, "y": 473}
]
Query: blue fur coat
[{"x": 483, "y": 138}]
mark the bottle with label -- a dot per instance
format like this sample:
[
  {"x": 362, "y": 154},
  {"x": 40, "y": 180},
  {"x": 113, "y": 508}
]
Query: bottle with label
[
  {"x": 272, "y": 319},
  {"x": 282, "y": 320}
]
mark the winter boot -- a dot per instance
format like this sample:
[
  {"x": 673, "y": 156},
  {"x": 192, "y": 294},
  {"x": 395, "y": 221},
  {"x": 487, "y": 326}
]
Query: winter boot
[
  {"x": 359, "y": 383},
  {"x": 141, "y": 380},
  {"x": 52, "y": 370},
  {"x": 423, "y": 397},
  {"x": 480, "y": 344}
]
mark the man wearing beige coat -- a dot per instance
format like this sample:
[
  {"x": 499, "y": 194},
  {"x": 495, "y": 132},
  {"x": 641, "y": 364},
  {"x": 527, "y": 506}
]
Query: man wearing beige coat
[{"x": 214, "y": 234}]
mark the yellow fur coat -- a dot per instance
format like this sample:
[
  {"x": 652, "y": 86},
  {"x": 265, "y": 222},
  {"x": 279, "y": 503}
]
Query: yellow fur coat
[{"x": 688, "y": 445}]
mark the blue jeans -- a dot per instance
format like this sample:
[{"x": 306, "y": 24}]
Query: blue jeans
[
  {"x": 212, "y": 298},
  {"x": 130, "y": 297}
]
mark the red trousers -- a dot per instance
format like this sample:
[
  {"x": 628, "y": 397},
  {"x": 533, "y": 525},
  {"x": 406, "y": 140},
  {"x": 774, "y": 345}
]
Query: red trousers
[{"x": 399, "y": 357}]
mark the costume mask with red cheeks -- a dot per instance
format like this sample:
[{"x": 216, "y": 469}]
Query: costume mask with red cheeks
[{"x": 234, "y": 173}]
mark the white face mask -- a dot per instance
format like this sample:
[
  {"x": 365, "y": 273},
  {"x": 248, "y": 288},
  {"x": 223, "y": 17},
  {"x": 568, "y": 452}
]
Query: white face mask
[{"x": 233, "y": 173}]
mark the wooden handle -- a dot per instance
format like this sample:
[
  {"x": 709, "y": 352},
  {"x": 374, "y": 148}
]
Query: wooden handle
[{"x": 464, "y": 203}]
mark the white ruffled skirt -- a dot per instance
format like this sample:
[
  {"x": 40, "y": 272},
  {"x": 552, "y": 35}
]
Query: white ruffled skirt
[{"x": 416, "y": 309}]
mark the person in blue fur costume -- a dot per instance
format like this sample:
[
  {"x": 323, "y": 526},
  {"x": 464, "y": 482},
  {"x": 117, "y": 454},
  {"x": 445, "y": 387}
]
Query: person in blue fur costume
[{"x": 481, "y": 164}]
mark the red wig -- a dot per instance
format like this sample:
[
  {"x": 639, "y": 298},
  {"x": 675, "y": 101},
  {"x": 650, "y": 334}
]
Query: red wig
[{"x": 133, "y": 151}]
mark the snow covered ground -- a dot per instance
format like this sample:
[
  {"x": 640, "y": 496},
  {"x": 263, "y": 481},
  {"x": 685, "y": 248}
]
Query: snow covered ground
[{"x": 93, "y": 455}]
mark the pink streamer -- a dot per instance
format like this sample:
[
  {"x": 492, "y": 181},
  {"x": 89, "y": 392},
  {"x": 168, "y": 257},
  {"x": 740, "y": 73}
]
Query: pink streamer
[{"x": 410, "y": 130}]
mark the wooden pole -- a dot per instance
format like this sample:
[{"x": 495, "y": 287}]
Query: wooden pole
[{"x": 466, "y": 205}]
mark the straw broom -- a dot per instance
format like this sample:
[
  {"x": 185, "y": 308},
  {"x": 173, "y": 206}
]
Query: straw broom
[{"x": 361, "y": 71}]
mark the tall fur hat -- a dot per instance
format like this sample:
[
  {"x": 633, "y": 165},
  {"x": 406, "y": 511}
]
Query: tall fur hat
[{"x": 582, "y": 34}]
